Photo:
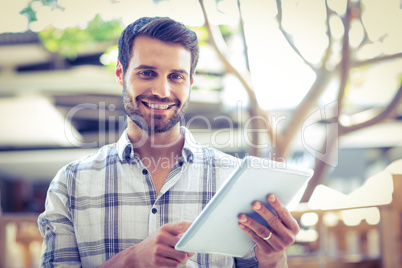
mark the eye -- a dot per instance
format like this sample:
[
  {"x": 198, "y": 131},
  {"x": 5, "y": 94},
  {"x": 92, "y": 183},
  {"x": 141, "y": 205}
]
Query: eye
[
  {"x": 176, "y": 76},
  {"x": 147, "y": 74}
]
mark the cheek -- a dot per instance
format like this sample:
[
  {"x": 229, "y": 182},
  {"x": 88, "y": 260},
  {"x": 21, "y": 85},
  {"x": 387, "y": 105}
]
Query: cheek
[
  {"x": 135, "y": 88},
  {"x": 183, "y": 95}
]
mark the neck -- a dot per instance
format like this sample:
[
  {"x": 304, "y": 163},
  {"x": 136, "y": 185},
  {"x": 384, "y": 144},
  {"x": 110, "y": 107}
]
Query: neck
[{"x": 156, "y": 145}]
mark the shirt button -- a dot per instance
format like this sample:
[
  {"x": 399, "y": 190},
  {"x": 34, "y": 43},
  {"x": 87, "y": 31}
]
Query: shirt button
[
  {"x": 154, "y": 210},
  {"x": 144, "y": 171},
  {"x": 181, "y": 163}
]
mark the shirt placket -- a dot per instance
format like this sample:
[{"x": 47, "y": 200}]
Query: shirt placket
[
  {"x": 158, "y": 214},
  {"x": 153, "y": 217}
]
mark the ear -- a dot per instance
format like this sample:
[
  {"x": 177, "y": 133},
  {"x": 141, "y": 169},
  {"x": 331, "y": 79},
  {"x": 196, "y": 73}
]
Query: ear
[
  {"x": 192, "y": 79},
  {"x": 119, "y": 73}
]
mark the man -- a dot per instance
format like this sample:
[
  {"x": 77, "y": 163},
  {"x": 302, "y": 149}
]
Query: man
[{"x": 128, "y": 204}]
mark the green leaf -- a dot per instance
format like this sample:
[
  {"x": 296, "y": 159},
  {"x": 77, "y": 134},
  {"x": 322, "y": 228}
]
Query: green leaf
[
  {"x": 29, "y": 13},
  {"x": 72, "y": 41}
]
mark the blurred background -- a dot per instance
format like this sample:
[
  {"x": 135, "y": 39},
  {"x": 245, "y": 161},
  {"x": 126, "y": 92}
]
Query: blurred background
[{"x": 309, "y": 82}]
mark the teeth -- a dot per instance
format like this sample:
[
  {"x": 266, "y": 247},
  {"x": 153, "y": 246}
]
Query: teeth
[{"x": 157, "y": 106}]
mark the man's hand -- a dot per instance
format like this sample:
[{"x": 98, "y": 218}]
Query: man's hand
[
  {"x": 271, "y": 244},
  {"x": 155, "y": 251}
]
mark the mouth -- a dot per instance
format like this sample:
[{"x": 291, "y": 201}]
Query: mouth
[{"x": 156, "y": 106}]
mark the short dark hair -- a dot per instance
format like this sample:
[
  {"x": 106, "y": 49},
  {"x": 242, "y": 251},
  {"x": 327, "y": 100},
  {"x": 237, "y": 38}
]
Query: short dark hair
[{"x": 162, "y": 28}]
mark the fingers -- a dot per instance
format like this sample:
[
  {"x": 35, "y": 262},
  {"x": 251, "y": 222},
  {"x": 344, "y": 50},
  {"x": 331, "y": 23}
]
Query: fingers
[
  {"x": 176, "y": 228},
  {"x": 254, "y": 229},
  {"x": 169, "y": 236},
  {"x": 257, "y": 232},
  {"x": 170, "y": 233},
  {"x": 190, "y": 254},
  {"x": 284, "y": 217},
  {"x": 281, "y": 223},
  {"x": 283, "y": 227},
  {"x": 172, "y": 254}
]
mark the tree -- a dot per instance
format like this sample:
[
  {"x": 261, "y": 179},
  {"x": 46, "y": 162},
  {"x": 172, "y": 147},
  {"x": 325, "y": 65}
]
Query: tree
[
  {"x": 347, "y": 62},
  {"x": 341, "y": 70}
]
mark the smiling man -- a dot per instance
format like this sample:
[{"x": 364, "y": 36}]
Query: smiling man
[
  {"x": 157, "y": 88},
  {"x": 128, "y": 204}
]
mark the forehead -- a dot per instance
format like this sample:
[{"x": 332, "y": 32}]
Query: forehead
[{"x": 153, "y": 52}]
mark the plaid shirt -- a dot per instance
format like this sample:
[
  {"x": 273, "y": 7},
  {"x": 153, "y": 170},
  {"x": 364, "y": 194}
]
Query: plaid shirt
[{"x": 106, "y": 202}]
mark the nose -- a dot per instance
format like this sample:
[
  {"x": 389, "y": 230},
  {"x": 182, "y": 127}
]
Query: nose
[{"x": 161, "y": 88}]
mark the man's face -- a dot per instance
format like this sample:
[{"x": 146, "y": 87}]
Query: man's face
[{"x": 156, "y": 84}]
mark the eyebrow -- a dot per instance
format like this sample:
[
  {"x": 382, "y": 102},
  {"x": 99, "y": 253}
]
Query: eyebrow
[
  {"x": 149, "y": 67},
  {"x": 141, "y": 67}
]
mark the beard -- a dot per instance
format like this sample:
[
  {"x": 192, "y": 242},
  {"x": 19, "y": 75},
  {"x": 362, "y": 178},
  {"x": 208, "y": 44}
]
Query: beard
[{"x": 154, "y": 123}]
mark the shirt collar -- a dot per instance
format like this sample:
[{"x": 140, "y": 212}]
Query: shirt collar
[
  {"x": 190, "y": 146},
  {"x": 125, "y": 148}
]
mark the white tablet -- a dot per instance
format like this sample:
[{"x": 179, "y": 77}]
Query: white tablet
[{"x": 216, "y": 229}]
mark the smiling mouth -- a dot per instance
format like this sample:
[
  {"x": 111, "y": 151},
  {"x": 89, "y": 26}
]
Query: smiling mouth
[{"x": 158, "y": 106}]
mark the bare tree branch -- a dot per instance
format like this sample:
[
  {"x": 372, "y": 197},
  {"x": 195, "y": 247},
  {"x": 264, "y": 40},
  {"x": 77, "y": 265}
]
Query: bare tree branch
[
  {"x": 376, "y": 60},
  {"x": 385, "y": 113},
  {"x": 243, "y": 35},
  {"x": 219, "y": 45},
  {"x": 328, "y": 50},
  {"x": 305, "y": 106},
  {"x": 321, "y": 166},
  {"x": 345, "y": 61},
  {"x": 365, "y": 40},
  {"x": 309, "y": 101},
  {"x": 288, "y": 37}
]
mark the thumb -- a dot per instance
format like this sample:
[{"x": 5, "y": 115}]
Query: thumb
[
  {"x": 190, "y": 254},
  {"x": 178, "y": 228}
]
